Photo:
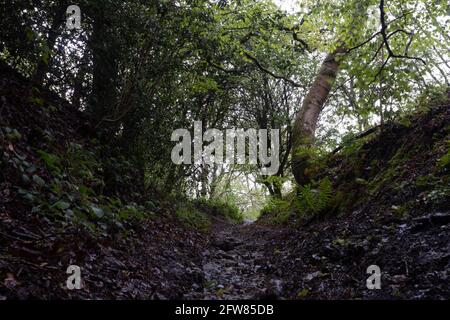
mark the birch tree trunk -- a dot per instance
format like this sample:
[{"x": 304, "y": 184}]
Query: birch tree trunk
[
  {"x": 306, "y": 120},
  {"x": 308, "y": 116}
]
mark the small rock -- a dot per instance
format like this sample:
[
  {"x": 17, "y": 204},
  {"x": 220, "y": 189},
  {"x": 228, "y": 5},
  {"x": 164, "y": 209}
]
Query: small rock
[
  {"x": 399, "y": 279},
  {"x": 158, "y": 296},
  {"x": 278, "y": 286},
  {"x": 312, "y": 275}
]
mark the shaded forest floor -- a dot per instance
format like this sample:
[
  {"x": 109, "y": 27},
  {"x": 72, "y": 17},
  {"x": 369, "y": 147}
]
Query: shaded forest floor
[
  {"x": 328, "y": 259},
  {"x": 233, "y": 264},
  {"x": 391, "y": 208}
]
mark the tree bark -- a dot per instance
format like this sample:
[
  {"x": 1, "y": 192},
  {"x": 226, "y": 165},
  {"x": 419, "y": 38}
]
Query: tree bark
[
  {"x": 308, "y": 116},
  {"x": 104, "y": 51}
]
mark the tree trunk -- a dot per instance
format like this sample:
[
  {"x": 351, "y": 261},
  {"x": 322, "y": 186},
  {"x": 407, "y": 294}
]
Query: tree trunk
[
  {"x": 308, "y": 116},
  {"x": 105, "y": 71},
  {"x": 204, "y": 182}
]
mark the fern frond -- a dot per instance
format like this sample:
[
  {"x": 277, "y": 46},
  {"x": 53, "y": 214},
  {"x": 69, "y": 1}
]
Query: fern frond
[{"x": 316, "y": 199}]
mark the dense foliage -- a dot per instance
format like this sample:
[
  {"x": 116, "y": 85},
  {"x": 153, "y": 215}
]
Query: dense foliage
[{"x": 140, "y": 69}]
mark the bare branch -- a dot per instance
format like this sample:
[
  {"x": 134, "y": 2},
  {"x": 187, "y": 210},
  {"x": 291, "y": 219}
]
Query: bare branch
[
  {"x": 262, "y": 68},
  {"x": 385, "y": 43},
  {"x": 365, "y": 42}
]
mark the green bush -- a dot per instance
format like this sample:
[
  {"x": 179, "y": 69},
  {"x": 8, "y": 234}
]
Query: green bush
[
  {"x": 219, "y": 208},
  {"x": 193, "y": 218},
  {"x": 444, "y": 162},
  {"x": 277, "y": 210},
  {"x": 310, "y": 200}
]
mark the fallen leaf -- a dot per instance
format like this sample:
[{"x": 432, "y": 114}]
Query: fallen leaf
[{"x": 10, "y": 281}]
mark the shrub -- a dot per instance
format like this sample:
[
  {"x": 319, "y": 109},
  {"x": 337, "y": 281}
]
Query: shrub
[
  {"x": 310, "y": 200},
  {"x": 219, "y": 208},
  {"x": 193, "y": 218},
  {"x": 444, "y": 162},
  {"x": 277, "y": 211}
]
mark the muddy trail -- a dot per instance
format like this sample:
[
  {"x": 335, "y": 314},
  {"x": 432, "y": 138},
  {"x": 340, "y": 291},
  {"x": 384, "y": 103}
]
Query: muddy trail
[
  {"x": 260, "y": 261},
  {"x": 233, "y": 264}
]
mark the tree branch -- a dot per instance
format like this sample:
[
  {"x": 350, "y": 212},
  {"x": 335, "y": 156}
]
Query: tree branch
[
  {"x": 262, "y": 68},
  {"x": 386, "y": 37}
]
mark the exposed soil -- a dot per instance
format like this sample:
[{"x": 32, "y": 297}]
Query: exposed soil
[
  {"x": 328, "y": 260},
  {"x": 232, "y": 265}
]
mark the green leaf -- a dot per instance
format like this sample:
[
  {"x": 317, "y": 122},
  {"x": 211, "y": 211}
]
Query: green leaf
[
  {"x": 22, "y": 191},
  {"x": 62, "y": 205},
  {"x": 69, "y": 213},
  {"x": 303, "y": 293},
  {"x": 31, "y": 169},
  {"x": 52, "y": 161},
  {"x": 38, "y": 180},
  {"x": 98, "y": 212},
  {"x": 29, "y": 197},
  {"x": 84, "y": 190},
  {"x": 25, "y": 179},
  {"x": 14, "y": 135},
  {"x": 36, "y": 209}
]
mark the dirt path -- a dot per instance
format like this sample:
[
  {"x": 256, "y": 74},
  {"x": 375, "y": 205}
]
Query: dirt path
[{"x": 233, "y": 265}]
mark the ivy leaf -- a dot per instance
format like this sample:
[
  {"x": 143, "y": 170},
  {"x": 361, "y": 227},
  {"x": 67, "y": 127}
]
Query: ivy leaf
[
  {"x": 29, "y": 197},
  {"x": 98, "y": 212},
  {"x": 38, "y": 180},
  {"x": 62, "y": 205}
]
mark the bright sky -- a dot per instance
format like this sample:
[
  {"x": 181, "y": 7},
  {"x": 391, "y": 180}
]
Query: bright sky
[{"x": 288, "y": 5}]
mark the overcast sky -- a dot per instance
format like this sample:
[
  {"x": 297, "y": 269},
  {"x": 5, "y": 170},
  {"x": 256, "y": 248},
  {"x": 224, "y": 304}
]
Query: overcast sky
[{"x": 288, "y": 5}]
